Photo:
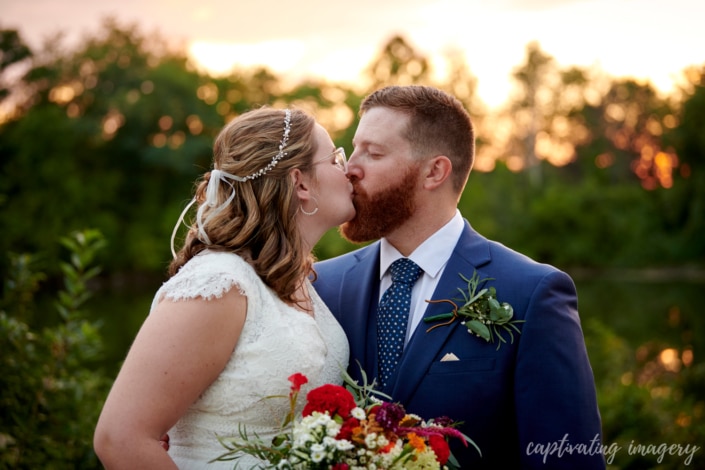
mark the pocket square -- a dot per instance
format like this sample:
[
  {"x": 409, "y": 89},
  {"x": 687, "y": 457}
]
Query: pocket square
[{"x": 449, "y": 357}]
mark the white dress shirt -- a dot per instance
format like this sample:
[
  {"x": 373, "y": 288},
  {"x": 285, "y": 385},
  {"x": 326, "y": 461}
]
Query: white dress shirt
[{"x": 431, "y": 256}]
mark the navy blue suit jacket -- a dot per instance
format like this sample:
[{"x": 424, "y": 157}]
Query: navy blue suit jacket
[{"x": 530, "y": 404}]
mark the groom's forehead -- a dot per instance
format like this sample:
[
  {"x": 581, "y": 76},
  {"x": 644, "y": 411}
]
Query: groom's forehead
[{"x": 381, "y": 127}]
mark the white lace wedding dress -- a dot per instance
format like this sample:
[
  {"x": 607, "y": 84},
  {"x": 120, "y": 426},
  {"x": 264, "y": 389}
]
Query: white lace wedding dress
[{"x": 276, "y": 342}]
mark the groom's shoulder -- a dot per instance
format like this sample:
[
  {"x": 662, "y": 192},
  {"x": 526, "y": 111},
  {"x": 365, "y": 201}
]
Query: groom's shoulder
[
  {"x": 347, "y": 259},
  {"x": 519, "y": 262}
]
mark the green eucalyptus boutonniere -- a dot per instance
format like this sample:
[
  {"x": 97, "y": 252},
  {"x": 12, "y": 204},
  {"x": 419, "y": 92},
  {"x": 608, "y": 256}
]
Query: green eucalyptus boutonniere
[{"x": 481, "y": 313}]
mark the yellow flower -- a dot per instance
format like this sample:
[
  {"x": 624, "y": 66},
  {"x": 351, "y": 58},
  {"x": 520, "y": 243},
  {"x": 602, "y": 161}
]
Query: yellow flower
[{"x": 423, "y": 461}]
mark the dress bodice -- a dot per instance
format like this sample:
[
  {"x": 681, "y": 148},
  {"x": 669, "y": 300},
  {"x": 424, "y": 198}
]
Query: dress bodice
[{"x": 277, "y": 341}]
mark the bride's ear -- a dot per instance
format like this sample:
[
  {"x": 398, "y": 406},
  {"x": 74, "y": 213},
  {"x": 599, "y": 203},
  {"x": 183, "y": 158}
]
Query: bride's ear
[{"x": 302, "y": 185}]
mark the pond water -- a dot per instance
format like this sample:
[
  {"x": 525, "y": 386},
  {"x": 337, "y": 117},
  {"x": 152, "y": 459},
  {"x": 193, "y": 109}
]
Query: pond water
[{"x": 666, "y": 313}]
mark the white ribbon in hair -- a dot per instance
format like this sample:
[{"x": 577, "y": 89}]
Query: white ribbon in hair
[{"x": 211, "y": 201}]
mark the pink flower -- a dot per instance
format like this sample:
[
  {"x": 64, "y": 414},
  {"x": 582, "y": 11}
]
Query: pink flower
[{"x": 389, "y": 415}]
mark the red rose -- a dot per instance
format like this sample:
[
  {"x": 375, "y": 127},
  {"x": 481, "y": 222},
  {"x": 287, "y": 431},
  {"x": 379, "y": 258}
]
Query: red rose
[
  {"x": 297, "y": 380},
  {"x": 329, "y": 398},
  {"x": 340, "y": 466},
  {"x": 440, "y": 448}
]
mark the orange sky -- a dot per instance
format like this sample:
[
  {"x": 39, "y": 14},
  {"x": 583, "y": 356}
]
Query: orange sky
[{"x": 646, "y": 39}]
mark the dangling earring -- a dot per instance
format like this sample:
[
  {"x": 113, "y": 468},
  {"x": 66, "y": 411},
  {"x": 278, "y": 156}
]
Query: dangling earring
[{"x": 303, "y": 211}]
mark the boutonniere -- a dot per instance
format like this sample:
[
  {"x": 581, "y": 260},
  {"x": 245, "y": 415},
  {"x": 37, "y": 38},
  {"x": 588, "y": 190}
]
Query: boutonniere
[{"x": 480, "y": 311}]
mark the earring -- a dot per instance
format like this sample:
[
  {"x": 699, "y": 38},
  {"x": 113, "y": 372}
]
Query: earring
[{"x": 303, "y": 211}]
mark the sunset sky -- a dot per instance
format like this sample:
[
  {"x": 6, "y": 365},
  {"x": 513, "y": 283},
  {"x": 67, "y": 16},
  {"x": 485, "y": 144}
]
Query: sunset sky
[{"x": 645, "y": 39}]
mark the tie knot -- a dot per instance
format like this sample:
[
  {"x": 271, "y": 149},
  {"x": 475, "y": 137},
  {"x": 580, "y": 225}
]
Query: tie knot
[{"x": 404, "y": 270}]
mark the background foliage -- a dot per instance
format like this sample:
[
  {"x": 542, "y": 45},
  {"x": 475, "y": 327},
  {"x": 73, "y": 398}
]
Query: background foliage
[{"x": 591, "y": 173}]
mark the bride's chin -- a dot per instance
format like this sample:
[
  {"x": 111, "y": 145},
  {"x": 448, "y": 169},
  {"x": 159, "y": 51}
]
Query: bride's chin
[{"x": 351, "y": 216}]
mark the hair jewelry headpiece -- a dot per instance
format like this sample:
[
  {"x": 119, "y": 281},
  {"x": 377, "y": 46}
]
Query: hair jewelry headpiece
[
  {"x": 214, "y": 180},
  {"x": 280, "y": 154}
]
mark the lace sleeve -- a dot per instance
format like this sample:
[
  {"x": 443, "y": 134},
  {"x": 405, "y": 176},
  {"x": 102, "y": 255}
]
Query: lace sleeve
[{"x": 208, "y": 275}]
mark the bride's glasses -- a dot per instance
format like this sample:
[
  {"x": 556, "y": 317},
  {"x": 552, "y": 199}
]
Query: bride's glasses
[{"x": 341, "y": 161}]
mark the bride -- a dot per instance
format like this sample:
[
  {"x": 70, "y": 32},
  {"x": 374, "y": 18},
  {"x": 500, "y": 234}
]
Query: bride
[{"x": 238, "y": 314}]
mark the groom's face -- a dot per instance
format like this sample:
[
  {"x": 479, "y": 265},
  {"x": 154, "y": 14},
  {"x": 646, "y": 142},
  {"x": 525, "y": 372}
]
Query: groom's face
[{"x": 384, "y": 175}]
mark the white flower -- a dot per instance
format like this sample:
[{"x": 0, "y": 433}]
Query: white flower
[
  {"x": 358, "y": 413},
  {"x": 318, "y": 453},
  {"x": 344, "y": 444},
  {"x": 382, "y": 440},
  {"x": 333, "y": 428},
  {"x": 319, "y": 419},
  {"x": 371, "y": 440},
  {"x": 301, "y": 437}
]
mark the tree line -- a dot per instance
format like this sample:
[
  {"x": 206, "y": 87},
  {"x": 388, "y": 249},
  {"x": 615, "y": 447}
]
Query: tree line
[{"x": 578, "y": 169}]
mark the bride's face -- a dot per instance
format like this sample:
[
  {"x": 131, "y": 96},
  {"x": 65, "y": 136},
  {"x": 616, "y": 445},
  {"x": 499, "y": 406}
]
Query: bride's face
[{"x": 331, "y": 186}]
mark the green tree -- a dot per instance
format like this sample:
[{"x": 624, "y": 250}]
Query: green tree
[
  {"x": 542, "y": 113},
  {"x": 532, "y": 107},
  {"x": 625, "y": 143},
  {"x": 398, "y": 64},
  {"x": 50, "y": 388},
  {"x": 108, "y": 136},
  {"x": 13, "y": 50},
  {"x": 687, "y": 203}
]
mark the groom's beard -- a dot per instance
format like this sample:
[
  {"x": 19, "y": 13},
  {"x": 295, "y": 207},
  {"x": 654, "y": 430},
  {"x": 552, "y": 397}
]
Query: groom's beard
[{"x": 378, "y": 214}]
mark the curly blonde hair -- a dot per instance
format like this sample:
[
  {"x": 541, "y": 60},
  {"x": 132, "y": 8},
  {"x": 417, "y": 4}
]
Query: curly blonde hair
[{"x": 260, "y": 222}]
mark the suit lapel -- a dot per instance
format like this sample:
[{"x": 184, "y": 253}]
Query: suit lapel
[
  {"x": 470, "y": 253},
  {"x": 358, "y": 309}
]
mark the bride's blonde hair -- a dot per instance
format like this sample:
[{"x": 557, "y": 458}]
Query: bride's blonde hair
[{"x": 259, "y": 223}]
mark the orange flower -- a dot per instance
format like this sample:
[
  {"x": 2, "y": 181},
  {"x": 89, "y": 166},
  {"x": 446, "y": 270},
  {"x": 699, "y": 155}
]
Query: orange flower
[
  {"x": 409, "y": 421},
  {"x": 416, "y": 441}
]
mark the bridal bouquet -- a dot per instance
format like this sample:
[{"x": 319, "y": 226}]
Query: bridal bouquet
[{"x": 347, "y": 429}]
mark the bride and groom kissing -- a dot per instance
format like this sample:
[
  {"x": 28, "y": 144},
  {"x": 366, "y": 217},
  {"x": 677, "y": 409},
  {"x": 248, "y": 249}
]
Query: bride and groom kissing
[{"x": 207, "y": 353}]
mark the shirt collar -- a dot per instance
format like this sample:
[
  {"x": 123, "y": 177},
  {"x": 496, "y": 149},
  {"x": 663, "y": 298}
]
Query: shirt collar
[{"x": 432, "y": 254}]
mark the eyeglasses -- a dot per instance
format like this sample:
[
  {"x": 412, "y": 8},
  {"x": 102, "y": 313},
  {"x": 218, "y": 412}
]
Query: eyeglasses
[{"x": 341, "y": 161}]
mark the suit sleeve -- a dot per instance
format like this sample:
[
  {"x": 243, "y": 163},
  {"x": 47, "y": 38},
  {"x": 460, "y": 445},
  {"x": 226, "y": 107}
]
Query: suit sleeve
[
  {"x": 328, "y": 286},
  {"x": 557, "y": 415}
]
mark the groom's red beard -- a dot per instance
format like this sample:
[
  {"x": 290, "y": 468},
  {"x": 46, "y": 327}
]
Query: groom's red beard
[{"x": 378, "y": 214}]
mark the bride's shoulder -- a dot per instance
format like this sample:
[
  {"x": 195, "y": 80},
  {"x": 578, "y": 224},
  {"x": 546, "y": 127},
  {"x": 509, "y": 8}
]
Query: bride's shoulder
[
  {"x": 217, "y": 261},
  {"x": 210, "y": 274}
]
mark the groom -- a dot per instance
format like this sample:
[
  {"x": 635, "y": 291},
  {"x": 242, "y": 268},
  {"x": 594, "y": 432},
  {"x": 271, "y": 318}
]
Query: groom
[{"x": 529, "y": 403}]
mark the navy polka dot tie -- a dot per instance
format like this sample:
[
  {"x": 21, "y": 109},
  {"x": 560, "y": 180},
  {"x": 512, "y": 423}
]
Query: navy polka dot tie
[{"x": 393, "y": 314}]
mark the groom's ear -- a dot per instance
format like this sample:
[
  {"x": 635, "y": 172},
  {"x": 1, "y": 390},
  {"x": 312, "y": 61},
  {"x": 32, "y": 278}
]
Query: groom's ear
[{"x": 436, "y": 171}]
